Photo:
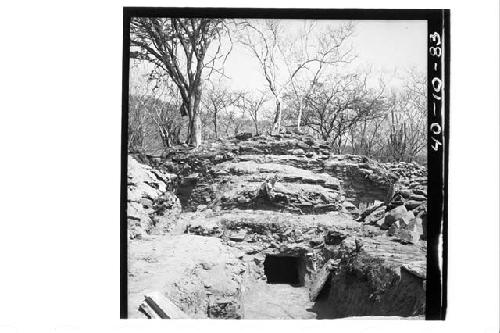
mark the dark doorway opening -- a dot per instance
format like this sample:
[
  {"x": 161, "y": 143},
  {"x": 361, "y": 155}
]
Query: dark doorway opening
[{"x": 283, "y": 270}]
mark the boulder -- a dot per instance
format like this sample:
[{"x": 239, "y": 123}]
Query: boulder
[
  {"x": 405, "y": 236},
  {"x": 350, "y": 208},
  {"x": 379, "y": 222},
  {"x": 224, "y": 308},
  {"x": 395, "y": 227},
  {"x": 397, "y": 214},
  {"x": 420, "y": 192},
  {"x": 417, "y": 197},
  {"x": 302, "y": 145},
  {"x": 298, "y": 151},
  {"x": 316, "y": 242},
  {"x": 192, "y": 178},
  {"x": 416, "y": 225},
  {"x": 376, "y": 215},
  {"x": 156, "y": 305},
  {"x": 239, "y": 237},
  {"x": 334, "y": 237},
  {"x": 417, "y": 269},
  {"x": 405, "y": 193},
  {"x": 371, "y": 208},
  {"x": 412, "y": 204}
]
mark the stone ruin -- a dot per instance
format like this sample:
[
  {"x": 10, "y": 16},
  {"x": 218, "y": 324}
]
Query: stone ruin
[{"x": 217, "y": 231}]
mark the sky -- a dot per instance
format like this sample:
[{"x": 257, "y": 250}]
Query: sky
[{"x": 387, "y": 47}]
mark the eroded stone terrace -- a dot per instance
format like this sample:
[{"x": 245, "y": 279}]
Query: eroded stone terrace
[{"x": 212, "y": 229}]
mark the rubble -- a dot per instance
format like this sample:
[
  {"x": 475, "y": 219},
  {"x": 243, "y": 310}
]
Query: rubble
[
  {"x": 150, "y": 198},
  {"x": 345, "y": 224}
]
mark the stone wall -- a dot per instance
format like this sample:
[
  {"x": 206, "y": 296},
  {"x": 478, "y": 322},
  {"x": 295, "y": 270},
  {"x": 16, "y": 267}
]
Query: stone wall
[{"x": 353, "y": 223}]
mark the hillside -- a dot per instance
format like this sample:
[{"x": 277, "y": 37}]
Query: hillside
[{"x": 275, "y": 227}]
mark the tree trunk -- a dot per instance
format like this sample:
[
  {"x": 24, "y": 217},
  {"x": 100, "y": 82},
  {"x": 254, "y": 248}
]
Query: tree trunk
[
  {"x": 165, "y": 137},
  {"x": 178, "y": 135},
  {"x": 188, "y": 130},
  {"x": 215, "y": 125},
  {"x": 195, "y": 133},
  {"x": 277, "y": 118},
  {"x": 299, "y": 117}
]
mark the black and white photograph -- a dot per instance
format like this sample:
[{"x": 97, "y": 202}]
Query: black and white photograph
[
  {"x": 250, "y": 166},
  {"x": 277, "y": 168}
]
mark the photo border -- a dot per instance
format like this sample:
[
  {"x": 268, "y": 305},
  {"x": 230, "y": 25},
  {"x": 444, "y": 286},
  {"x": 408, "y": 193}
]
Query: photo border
[{"x": 438, "y": 20}]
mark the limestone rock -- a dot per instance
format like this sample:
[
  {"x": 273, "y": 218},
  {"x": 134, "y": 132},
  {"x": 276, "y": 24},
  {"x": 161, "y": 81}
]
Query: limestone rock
[
  {"x": 237, "y": 237},
  {"x": 417, "y": 197},
  {"x": 395, "y": 227},
  {"x": 149, "y": 198},
  {"x": 406, "y": 236},
  {"x": 298, "y": 151},
  {"x": 412, "y": 204},
  {"x": 349, "y": 206},
  {"x": 155, "y": 305},
  {"x": 288, "y": 195},
  {"x": 334, "y": 237},
  {"x": 397, "y": 214},
  {"x": 418, "y": 269},
  {"x": 375, "y": 215}
]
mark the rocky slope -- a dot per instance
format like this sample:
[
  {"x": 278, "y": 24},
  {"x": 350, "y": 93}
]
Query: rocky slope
[
  {"x": 209, "y": 227},
  {"x": 150, "y": 198}
]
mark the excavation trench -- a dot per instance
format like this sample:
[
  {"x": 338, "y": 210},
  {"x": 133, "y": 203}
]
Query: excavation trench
[
  {"x": 364, "y": 289},
  {"x": 268, "y": 258},
  {"x": 282, "y": 295}
]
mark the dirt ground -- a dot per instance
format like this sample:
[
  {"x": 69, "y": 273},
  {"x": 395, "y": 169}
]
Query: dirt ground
[{"x": 277, "y": 301}]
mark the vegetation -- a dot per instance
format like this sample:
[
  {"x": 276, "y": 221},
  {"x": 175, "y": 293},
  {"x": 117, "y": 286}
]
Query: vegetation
[{"x": 181, "y": 94}]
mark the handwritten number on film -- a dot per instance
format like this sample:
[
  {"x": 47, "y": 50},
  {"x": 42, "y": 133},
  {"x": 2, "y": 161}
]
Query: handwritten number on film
[{"x": 435, "y": 51}]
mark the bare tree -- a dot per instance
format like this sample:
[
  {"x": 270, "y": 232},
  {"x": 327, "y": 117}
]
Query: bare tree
[
  {"x": 252, "y": 105},
  {"x": 408, "y": 111},
  {"x": 217, "y": 100},
  {"x": 337, "y": 104},
  {"x": 368, "y": 136},
  {"x": 136, "y": 124},
  {"x": 179, "y": 46},
  {"x": 153, "y": 109},
  {"x": 262, "y": 39},
  {"x": 235, "y": 121},
  {"x": 282, "y": 67},
  {"x": 314, "y": 52},
  {"x": 164, "y": 114}
]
